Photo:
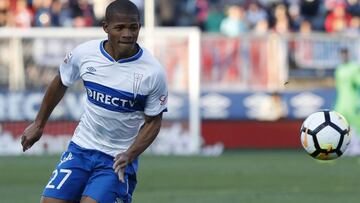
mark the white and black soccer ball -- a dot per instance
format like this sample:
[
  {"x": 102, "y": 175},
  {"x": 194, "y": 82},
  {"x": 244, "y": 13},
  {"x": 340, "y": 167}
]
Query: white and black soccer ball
[{"x": 325, "y": 135}]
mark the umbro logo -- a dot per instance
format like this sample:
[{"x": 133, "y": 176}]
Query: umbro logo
[{"x": 90, "y": 70}]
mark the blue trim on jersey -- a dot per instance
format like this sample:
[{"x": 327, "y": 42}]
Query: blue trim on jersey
[
  {"x": 102, "y": 49},
  {"x": 113, "y": 99},
  {"x": 132, "y": 58}
]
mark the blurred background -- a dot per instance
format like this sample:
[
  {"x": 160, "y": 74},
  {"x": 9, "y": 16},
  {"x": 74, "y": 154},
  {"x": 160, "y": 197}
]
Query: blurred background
[
  {"x": 263, "y": 65},
  {"x": 242, "y": 74}
]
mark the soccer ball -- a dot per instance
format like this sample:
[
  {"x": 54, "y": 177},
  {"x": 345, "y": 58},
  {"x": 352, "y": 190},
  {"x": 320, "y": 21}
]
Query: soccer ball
[{"x": 325, "y": 135}]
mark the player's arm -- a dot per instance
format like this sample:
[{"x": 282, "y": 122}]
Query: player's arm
[
  {"x": 146, "y": 136},
  {"x": 52, "y": 97}
]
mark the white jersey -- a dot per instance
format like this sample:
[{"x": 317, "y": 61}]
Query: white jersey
[{"x": 119, "y": 93}]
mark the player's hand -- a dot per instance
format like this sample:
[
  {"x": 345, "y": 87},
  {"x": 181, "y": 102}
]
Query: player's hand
[
  {"x": 120, "y": 162},
  {"x": 31, "y": 135}
]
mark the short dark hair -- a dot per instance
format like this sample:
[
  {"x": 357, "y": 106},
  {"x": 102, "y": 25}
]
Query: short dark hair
[{"x": 121, "y": 6}]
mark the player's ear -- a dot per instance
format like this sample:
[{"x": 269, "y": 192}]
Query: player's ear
[{"x": 105, "y": 26}]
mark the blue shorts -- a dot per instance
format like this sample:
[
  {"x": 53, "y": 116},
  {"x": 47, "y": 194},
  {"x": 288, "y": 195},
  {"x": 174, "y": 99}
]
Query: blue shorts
[{"x": 84, "y": 172}]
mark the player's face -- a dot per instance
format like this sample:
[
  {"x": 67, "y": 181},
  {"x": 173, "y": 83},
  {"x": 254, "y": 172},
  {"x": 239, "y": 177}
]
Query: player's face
[{"x": 123, "y": 31}]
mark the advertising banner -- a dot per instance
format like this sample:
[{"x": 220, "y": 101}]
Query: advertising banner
[{"x": 23, "y": 106}]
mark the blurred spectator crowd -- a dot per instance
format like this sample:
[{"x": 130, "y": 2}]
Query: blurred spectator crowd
[
  {"x": 45, "y": 13},
  {"x": 230, "y": 17}
]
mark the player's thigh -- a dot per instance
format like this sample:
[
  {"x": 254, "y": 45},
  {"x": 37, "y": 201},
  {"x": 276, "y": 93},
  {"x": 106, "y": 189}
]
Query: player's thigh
[
  {"x": 87, "y": 199},
  {"x": 105, "y": 187},
  {"x": 69, "y": 178},
  {"x": 53, "y": 200}
]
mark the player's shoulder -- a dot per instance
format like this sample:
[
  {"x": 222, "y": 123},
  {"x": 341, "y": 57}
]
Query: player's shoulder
[{"x": 152, "y": 62}]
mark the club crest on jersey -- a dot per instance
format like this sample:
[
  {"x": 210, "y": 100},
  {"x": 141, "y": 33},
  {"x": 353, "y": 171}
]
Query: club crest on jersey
[{"x": 136, "y": 85}]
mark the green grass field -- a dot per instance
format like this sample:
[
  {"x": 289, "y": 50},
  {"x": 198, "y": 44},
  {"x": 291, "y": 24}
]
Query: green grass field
[{"x": 244, "y": 176}]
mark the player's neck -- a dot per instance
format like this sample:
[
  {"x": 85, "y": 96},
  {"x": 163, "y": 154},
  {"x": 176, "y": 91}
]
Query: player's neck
[{"x": 118, "y": 54}]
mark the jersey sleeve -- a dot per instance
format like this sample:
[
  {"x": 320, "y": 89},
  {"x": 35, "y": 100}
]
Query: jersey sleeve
[
  {"x": 156, "y": 102},
  {"x": 70, "y": 69}
]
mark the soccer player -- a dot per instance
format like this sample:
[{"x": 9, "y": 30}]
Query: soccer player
[
  {"x": 126, "y": 96},
  {"x": 347, "y": 80}
]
